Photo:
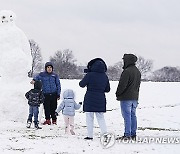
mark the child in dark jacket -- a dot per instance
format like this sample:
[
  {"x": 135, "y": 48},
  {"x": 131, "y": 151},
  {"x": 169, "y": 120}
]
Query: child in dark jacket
[{"x": 35, "y": 98}]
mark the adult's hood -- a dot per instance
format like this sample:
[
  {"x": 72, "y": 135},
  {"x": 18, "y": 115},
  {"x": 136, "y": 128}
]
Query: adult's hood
[
  {"x": 98, "y": 66},
  {"x": 129, "y": 59},
  {"x": 68, "y": 94},
  {"x": 90, "y": 63}
]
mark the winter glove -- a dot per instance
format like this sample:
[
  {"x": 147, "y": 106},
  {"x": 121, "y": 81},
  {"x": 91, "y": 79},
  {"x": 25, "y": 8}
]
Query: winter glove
[
  {"x": 56, "y": 114},
  {"x": 80, "y": 103}
]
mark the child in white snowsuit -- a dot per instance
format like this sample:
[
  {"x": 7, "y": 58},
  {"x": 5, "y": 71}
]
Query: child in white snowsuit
[
  {"x": 68, "y": 107},
  {"x": 35, "y": 98}
]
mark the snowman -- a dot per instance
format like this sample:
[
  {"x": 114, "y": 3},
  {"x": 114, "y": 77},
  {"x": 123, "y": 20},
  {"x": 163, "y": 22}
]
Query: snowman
[
  {"x": 15, "y": 53},
  {"x": 15, "y": 62}
]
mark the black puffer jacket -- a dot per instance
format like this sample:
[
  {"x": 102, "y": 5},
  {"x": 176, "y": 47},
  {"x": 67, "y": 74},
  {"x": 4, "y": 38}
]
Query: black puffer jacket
[{"x": 129, "y": 83}]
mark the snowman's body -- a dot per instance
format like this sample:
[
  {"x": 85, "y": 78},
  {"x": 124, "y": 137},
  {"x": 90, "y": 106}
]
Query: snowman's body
[
  {"x": 15, "y": 54},
  {"x": 15, "y": 62}
]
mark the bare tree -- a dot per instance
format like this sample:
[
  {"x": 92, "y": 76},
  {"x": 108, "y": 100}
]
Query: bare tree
[
  {"x": 64, "y": 64},
  {"x": 36, "y": 58},
  {"x": 167, "y": 74},
  {"x": 144, "y": 65},
  {"x": 115, "y": 71}
]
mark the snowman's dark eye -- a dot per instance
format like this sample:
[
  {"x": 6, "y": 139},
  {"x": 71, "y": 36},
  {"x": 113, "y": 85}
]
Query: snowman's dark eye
[
  {"x": 3, "y": 17},
  {"x": 11, "y": 16}
]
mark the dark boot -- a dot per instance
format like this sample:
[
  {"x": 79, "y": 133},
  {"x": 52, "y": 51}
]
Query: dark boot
[
  {"x": 54, "y": 122},
  {"x": 28, "y": 124},
  {"x": 37, "y": 126},
  {"x": 47, "y": 122}
]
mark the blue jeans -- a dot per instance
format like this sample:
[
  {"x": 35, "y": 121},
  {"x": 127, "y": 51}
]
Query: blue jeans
[
  {"x": 33, "y": 111},
  {"x": 128, "y": 110}
]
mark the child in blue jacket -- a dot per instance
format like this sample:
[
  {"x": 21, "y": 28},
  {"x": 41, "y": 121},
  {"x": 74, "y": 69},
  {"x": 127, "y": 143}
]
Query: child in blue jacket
[{"x": 68, "y": 107}]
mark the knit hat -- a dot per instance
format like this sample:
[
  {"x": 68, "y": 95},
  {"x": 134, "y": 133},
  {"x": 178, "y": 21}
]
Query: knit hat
[
  {"x": 48, "y": 64},
  {"x": 38, "y": 85}
]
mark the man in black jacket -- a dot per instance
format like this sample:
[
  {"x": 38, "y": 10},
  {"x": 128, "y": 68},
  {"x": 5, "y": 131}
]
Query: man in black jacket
[{"x": 127, "y": 93}]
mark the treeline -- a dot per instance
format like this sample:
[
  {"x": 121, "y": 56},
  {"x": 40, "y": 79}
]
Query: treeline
[{"x": 65, "y": 66}]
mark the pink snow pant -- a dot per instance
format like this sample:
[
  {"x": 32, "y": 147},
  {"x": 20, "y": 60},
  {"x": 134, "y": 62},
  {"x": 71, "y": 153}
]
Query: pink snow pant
[{"x": 69, "y": 121}]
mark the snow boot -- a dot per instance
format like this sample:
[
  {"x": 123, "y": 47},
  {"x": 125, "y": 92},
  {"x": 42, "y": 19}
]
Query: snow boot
[
  {"x": 37, "y": 126},
  {"x": 72, "y": 132},
  {"x": 48, "y": 122},
  {"x": 28, "y": 124},
  {"x": 54, "y": 122}
]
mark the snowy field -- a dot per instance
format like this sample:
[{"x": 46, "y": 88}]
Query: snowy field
[{"x": 158, "y": 117}]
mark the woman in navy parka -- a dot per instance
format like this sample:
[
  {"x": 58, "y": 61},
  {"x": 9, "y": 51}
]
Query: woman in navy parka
[{"x": 97, "y": 84}]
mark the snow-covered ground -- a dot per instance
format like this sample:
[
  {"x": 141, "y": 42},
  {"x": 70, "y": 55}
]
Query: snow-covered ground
[{"x": 158, "y": 118}]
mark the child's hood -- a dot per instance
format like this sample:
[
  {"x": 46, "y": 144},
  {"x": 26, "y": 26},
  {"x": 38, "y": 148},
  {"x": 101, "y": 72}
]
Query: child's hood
[{"x": 68, "y": 94}]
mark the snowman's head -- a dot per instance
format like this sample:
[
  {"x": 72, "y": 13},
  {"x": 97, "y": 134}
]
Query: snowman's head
[{"x": 7, "y": 17}]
